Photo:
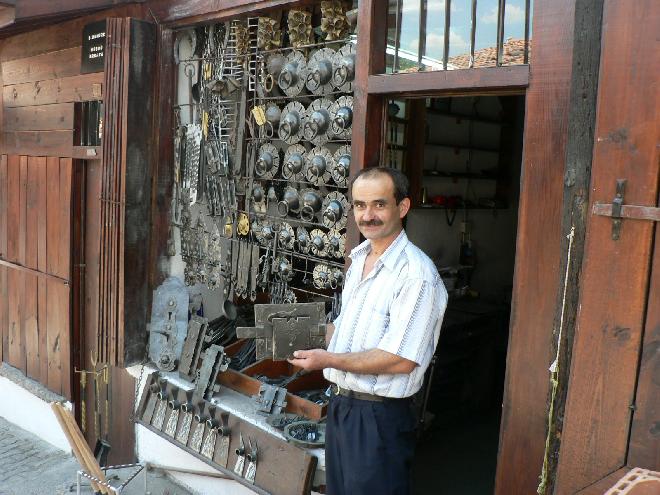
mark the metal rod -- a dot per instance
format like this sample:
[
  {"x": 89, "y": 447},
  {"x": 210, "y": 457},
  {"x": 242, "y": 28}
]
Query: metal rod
[
  {"x": 445, "y": 55},
  {"x": 473, "y": 31},
  {"x": 526, "y": 56},
  {"x": 422, "y": 32},
  {"x": 395, "y": 64},
  {"x": 500, "y": 30}
]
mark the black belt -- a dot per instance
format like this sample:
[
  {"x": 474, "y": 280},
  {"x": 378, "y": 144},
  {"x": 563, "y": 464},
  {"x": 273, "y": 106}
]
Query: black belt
[{"x": 352, "y": 394}]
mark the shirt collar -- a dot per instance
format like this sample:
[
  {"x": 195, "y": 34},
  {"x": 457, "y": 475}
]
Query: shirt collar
[{"x": 391, "y": 254}]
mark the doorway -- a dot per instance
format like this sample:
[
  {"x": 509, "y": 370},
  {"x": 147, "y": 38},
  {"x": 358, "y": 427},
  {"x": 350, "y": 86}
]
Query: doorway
[{"x": 463, "y": 158}]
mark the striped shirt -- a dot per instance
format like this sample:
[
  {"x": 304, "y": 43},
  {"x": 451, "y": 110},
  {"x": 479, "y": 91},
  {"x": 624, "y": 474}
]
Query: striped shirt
[{"x": 397, "y": 308}]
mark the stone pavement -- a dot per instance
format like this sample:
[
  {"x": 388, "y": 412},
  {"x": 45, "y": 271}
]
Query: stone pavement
[{"x": 30, "y": 466}]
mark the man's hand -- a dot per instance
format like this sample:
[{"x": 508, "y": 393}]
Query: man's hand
[{"x": 314, "y": 359}]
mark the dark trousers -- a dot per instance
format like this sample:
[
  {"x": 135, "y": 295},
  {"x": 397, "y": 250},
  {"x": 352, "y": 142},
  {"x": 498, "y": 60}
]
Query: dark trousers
[{"x": 369, "y": 447}]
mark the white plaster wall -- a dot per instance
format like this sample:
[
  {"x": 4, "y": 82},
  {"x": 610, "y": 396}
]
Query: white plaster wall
[{"x": 27, "y": 411}]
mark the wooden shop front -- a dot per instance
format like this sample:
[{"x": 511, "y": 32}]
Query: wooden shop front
[{"x": 522, "y": 118}]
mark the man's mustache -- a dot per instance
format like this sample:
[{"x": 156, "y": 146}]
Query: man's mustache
[{"x": 370, "y": 223}]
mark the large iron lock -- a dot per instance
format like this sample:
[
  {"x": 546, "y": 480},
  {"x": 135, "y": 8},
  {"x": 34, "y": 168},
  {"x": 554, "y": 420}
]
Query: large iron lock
[
  {"x": 618, "y": 210},
  {"x": 281, "y": 329}
]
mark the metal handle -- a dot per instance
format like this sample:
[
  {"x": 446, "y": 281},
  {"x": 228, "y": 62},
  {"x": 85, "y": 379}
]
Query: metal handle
[{"x": 314, "y": 128}]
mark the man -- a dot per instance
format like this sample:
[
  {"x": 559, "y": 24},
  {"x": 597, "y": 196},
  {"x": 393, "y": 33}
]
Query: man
[{"x": 380, "y": 345}]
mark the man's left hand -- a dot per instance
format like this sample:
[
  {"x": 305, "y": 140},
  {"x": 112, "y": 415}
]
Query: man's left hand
[{"x": 314, "y": 359}]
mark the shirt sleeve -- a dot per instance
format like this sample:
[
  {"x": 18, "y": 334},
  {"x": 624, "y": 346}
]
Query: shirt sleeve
[{"x": 415, "y": 319}]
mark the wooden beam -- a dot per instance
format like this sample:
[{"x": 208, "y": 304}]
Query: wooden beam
[
  {"x": 488, "y": 80},
  {"x": 538, "y": 247},
  {"x": 6, "y": 16},
  {"x": 174, "y": 13},
  {"x": 65, "y": 90},
  {"x": 368, "y": 111},
  {"x": 30, "y": 9}
]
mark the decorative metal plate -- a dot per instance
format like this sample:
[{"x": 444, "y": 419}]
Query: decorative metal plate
[
  {"x": 293, "y": 75},
  {"x": 290, "y": 202},
  {"x": 268, "y": 161},
  {"x": 311, "y": 204},
  {"x": 318, "y": 164},
  {"x": 263, "y": 231},
  {"x": 335, "y": 210},
  {"x": 341, "y": 165},
  {"x": 287, "y": 236},
  {"x": 293, "y": 167},
  {"x": 341, "y": 113},
  {"x": 318, "y": 243},
  {"x": 316, "y": 124},
  {"x": 291, "y": 123},
  {"x": 336, "y": 243},
  {"x": 320, "y": 71},
  {"x": 343, "y": 68},
  {"x": 283, "y": 268},
  {"x": 302, "y": 240},
  {"x": 321, "y": 276}
]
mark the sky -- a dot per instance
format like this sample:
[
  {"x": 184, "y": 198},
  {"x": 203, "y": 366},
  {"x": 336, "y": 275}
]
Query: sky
[{"x": 459, "y": 33}]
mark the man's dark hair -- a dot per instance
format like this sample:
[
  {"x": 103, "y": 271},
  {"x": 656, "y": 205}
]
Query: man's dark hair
[{"x": 400, "y": 181}]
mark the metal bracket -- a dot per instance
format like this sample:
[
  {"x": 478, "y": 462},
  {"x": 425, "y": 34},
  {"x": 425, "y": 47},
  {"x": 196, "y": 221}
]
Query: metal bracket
[
  {"x": 618, "y": 210},
  {"x": 271, "y": 399}
]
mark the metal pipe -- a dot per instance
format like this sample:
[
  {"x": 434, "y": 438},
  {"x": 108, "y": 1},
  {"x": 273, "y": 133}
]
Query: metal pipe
[
  {"x": 473, "y": 30},
  {"x": 445, "y": 55},
  {"x": 527, "y": 8},
  {"x": 500, "y": 30}
]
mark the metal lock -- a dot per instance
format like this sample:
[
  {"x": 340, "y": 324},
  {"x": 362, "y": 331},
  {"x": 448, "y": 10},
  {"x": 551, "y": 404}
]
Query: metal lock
[
  {"x": 312, "y": 202},
  {"x": 335, "y": 209},
  {"x": 317, "y": 122},
  {"x": 293, "y": 75},
  {"x": 290, "y": 202},
  {"x": 342, "y": 117},
  {"x": 268, "y": 162},
  {"x": 294, "y": 162},
  {"x": 342, "y": 165},
  {"x": 343, "y": 64},
  {"x": 319, "y": 242},
  {"x": 319, "y": 79},
  {"x": 290, "y": 129}
]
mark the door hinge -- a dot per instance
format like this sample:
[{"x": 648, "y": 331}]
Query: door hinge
[{"x": 618, "y": 210}]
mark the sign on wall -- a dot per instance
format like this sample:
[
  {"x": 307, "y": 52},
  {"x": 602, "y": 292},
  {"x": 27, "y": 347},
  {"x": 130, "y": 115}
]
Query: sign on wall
[{"x": 93, "y": 47}]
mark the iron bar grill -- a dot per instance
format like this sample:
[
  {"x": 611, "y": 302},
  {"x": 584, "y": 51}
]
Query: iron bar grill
[{"x": 499, "y": 43}]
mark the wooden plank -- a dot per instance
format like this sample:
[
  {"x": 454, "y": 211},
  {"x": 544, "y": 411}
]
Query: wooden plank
[
  {"x": 30, "y": 271},
  {"x": 32, "y": 213},
  {"x": 609, "y": 327},
  {"x": 52, "y": 215},
  {"x": 42, "y": 325},
  {"x": 63, "y": 269},
  {"x": 4, "y": 315},
  {"x": 65, "y": 90},
  {"x": 31, "y": 281},
  {"x": 536, "y": 279},
  {"x": 55, "y": 330},
  {"x": 15, "y": 283},
  {"x": 31, "y": 327},
  {"x": 53, "y": 65},
  {"x": 39, "y": 118},
  {"x": 644, "y": 449},
  {"x": 173, "y": 12},
  {"x": 22, "y": 210},
  {"x": 122, "y": 432},
  {"x": 13, "y": 205},
  {"x": 4, "y": 297},
  {"x": 38, "y": 143},
  {"x": 45, "y": 8},
  {"x": 42, "y": 266},
  {"x": 3, "y": 206},
  {"x": 482, "y": 81}
]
